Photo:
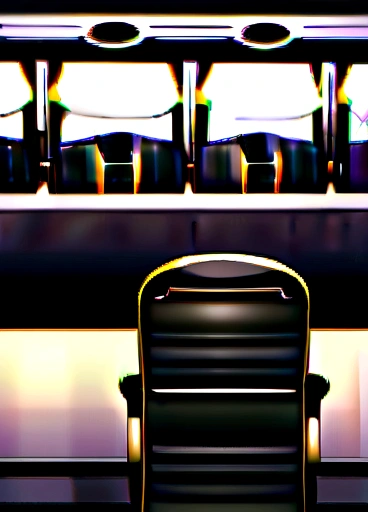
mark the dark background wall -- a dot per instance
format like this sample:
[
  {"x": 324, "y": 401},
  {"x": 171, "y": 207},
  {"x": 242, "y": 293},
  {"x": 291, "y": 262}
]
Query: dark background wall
[{"x": 70, "y": 269}]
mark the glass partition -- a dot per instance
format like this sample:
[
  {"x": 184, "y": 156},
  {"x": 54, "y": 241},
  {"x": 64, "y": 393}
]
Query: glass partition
[{"x": 59, "y": 393}]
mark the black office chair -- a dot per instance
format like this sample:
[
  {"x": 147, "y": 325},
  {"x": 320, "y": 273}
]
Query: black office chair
[
  {"x": 261, "y": 161},
  {"x": 116, "y": 162},
  {"x": 223, "y": 416}
]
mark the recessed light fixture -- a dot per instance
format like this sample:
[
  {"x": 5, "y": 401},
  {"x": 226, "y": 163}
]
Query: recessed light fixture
[
  {"x": 114, "y": 34},
  {"x": 265, "y": 35}
]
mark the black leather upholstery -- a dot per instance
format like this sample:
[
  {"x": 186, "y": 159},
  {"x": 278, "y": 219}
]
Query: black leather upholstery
[
  {"x": 20, "y": 158},
  {"x": 16, "y": 172},
  {"x": 223, "y": 355},
  {"x": 81, "y": 162},
  {"x": 220, "y": 168}
]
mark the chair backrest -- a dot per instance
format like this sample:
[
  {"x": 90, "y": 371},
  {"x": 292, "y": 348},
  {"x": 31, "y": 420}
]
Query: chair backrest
[{"x": 224, "y": 343}]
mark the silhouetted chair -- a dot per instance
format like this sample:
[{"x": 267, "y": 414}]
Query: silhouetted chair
[
  {"x": 121, "y": 158},
  {"x": 254, "y": 150},
  {"x": 219, "y": 416}
]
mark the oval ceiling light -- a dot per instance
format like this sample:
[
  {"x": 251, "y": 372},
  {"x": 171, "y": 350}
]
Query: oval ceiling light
[
  {"x": 265, "y": 35},
  {"x": 114, "y": 34}
]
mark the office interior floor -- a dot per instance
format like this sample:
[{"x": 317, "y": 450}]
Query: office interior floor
[{"x": 334, "y": 493}]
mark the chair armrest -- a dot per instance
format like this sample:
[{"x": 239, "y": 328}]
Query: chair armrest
[
  {"x": 316, "y": 388},
  {"x": 131, "y": 389}
]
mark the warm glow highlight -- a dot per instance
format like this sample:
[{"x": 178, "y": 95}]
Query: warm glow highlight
[
  {"x": 244, "y": 172},
  {"x": 137, "y": 166},
  {"x": 134, "y": 439},
  {"x": 313, "y": 453},
  {"x": 278, "y": 170}
]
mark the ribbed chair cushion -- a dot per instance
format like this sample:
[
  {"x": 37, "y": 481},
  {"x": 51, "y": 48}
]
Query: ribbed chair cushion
[{"x": 223, "y": 354}]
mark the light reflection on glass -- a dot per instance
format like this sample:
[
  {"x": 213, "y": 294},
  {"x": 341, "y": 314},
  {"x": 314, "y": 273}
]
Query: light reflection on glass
[
  {"x": 14, "y": 93},
  {"x": 12, "y": 126},
  {"x": 110, "y": 97},
  {"x": 59, "y": 393},
  {"x": 117, "y": 90},
  {"x": 263, "y": 93},
  {"x": 355, "y": 88},
  {"x": 14, "y": 88},
  {"x": 80, "y": 127},
  {"x": 338, "y": 356}
]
